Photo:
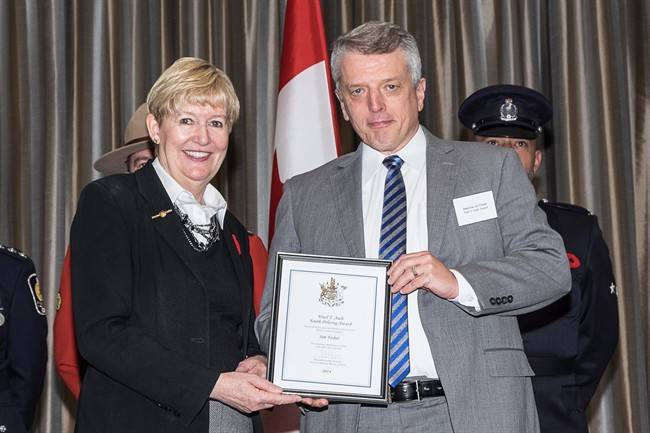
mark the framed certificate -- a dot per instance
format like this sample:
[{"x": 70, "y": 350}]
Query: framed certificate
[{"x": 330, "y": 328}]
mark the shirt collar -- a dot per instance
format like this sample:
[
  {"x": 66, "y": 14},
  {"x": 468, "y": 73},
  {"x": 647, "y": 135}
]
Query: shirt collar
[
  {"x": 215, "y": 203},
  {"x": 413, "y": 154}
]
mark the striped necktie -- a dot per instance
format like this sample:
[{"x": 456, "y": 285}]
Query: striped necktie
[{"x": 392, "y": 244}]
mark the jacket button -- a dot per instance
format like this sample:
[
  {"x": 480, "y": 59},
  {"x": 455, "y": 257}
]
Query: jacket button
[
  {"x": 492, "y": 301},
  {"x": 510, "y": 299},
  {"x": 504, "y": 299},
  {"x": 499, "y": 301}
]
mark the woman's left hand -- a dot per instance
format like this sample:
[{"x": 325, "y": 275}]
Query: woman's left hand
[
  {"x": 247, "y": 392},
  {"x": 255, "y": 365}
]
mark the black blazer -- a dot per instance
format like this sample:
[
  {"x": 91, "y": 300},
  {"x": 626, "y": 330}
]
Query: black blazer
[{"x": 141, "y": 310}]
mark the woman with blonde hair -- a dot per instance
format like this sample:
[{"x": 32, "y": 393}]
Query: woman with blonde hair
[{"x": 162, "y": 278}]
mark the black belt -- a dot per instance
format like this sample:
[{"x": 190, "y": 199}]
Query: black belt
[
  {"x": 416, "y": 389},
  {"x": 551, "y": 366}
]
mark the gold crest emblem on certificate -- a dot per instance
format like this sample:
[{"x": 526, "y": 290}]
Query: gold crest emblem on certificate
[{"x": 331, "y": 293}]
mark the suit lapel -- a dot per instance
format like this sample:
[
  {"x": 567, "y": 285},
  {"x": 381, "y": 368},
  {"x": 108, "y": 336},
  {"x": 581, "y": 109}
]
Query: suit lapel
[
  {"x": 346, "y": 184},
  {"x": 169, "y": 225},
  {"x": 442, "y": 171}
]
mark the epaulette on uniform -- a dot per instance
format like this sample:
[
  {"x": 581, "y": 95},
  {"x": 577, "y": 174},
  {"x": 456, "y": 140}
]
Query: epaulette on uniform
[
  {"x": 13, "y": 252},
  {"x": 566, "y": 207}
]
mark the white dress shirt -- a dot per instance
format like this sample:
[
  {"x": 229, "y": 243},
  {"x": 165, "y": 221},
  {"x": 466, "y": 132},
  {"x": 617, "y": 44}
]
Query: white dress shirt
[
  {"x": 214, "y": 203},
  {"x": 414, "y": 173}
]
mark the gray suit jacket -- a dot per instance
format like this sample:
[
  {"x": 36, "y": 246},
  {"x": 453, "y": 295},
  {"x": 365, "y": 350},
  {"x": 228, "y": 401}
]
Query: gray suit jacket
[{"x": 515, "y": 263}]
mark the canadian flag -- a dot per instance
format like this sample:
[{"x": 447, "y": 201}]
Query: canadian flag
[{"x": 306, "y": 130}]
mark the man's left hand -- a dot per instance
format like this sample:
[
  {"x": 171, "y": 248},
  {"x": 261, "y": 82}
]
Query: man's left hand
[{"x": 421, "y": 270}]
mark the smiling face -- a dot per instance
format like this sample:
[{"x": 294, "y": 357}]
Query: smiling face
[
  {"x": 378, "y": 98},
  {"x": 192, "y": 144},
  {"x": 526, "y": 149}
]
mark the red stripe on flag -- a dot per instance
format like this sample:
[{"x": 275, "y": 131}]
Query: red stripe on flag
[
  {"x": 303, "y": 45},
  {"x": 276, "y": 193},
  {"x": 303, "y": 39}
]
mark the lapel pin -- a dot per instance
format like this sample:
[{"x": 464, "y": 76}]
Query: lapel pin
[{"x": 161, "y": 214}]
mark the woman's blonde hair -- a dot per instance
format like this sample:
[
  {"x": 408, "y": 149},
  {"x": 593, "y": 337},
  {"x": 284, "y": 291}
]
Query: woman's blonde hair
[{"x": 194, "y": 81}]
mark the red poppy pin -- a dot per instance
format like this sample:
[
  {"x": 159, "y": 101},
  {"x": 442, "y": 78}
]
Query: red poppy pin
[{"x": 574, "y": 261}]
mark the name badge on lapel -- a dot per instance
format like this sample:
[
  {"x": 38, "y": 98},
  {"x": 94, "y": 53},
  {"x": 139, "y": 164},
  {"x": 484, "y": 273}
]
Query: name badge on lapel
[{"x": 475, "y": 208}]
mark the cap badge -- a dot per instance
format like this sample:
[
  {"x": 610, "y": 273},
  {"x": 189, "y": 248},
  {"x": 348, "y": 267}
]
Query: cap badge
[{"x": 508, "y": 111}]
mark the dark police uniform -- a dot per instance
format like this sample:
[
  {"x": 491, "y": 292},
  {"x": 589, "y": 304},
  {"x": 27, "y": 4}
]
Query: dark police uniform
[
  {"x": 569, "y": 342},
  {"x": 23, "y": 341}
]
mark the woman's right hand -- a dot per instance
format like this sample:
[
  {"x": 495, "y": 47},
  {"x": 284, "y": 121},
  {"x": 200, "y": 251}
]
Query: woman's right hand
[{"x": 248, "y": 392}]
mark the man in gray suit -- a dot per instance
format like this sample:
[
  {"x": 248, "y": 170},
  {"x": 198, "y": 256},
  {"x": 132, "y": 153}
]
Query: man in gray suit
[{"x": 475, "y": 250}]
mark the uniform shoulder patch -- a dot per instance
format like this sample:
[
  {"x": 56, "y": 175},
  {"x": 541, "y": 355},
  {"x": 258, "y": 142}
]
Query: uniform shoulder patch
[
  {"x": 37, "y": 294},
  {"x": 564, "y": 206}
]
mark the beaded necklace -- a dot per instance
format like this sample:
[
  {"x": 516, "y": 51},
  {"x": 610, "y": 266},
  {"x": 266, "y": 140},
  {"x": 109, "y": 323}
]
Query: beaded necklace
[{"x": 193, "y": 232}]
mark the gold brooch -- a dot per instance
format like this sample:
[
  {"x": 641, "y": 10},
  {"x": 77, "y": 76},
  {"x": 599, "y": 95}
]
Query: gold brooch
[{"x": 161, "y": 214}]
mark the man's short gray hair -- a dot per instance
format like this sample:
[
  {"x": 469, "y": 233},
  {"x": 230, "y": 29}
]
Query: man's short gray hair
[{"x": 376, "y": 37}]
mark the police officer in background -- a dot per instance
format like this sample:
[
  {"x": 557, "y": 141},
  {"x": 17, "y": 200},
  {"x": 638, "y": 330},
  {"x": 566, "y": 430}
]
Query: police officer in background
[
  {"x": 23, "y": 341},
  {"x": 569, "y": 342}
]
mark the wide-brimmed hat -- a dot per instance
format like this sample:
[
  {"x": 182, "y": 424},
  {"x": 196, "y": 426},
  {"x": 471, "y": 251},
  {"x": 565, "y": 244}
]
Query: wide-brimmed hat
[
  {"x": 136, "y": 138},
  {"x": 505, "y": 111}
]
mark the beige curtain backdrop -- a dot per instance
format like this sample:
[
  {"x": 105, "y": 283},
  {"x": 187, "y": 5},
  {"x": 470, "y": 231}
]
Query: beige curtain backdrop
[{"x": 73, "y": 71}]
